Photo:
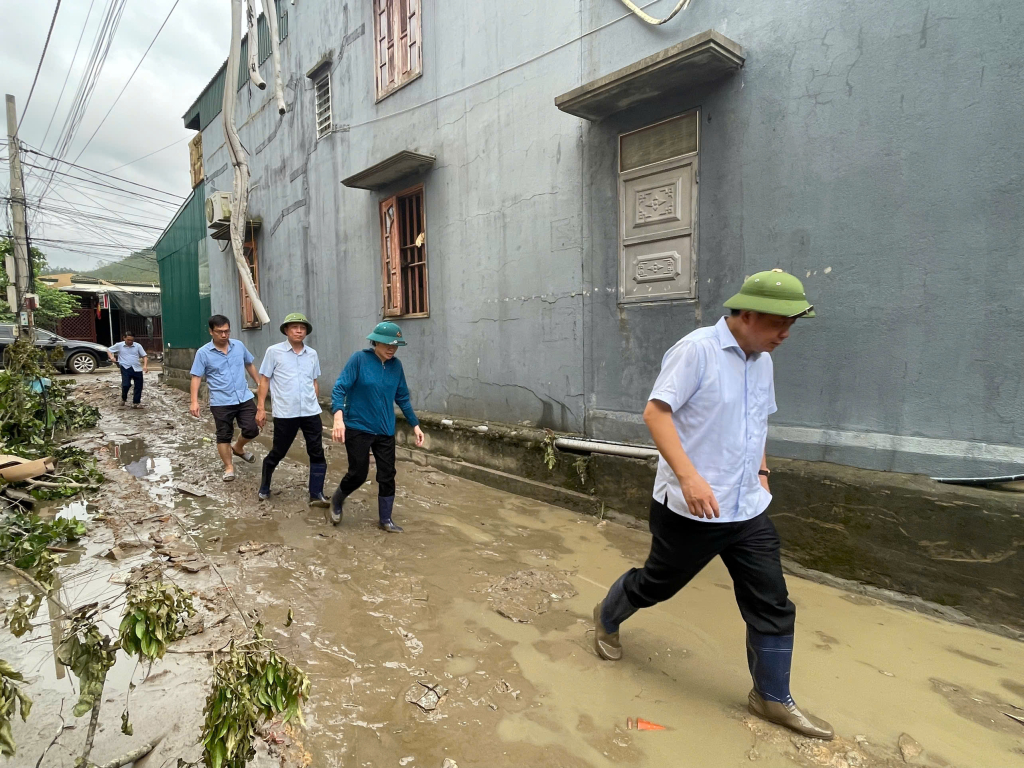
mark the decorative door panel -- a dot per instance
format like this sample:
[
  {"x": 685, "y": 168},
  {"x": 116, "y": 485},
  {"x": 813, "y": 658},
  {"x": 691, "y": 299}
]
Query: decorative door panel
[{"x": 658, "y": 213}]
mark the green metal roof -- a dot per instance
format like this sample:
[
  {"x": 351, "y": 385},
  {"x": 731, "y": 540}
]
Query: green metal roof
[{"x": 207, "y": 106}]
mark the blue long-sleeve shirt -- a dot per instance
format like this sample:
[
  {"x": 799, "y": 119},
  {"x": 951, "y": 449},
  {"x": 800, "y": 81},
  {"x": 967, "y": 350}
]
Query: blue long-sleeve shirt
[{"x": 366, "y": 391}]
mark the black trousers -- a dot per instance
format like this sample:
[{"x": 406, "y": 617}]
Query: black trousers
[
  {"x": 285, "y": 431},
  {"x": 128, "y": 377},
  {"x": 680, "y": 548},
  {"x": 358, "y": 445}
]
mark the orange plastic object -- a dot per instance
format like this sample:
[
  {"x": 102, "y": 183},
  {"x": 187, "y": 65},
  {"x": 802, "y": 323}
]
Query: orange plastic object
[{"x": 642, "y": 725}]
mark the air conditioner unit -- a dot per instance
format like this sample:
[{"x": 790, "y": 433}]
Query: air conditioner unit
[{"x": 218, "y": 208}]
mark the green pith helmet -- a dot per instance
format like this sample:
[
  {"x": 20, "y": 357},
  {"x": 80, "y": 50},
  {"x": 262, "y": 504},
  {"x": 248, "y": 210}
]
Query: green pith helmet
[
  {"x": 774, "y": 293},
  {"x": 387, "y": 333},
  {"x": 296, "y": 317}
]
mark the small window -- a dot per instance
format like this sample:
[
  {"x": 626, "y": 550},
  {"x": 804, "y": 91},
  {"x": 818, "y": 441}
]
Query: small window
[
  {"x": 398, "y": 50},
  {"x": 404, "y": 255},
  {"x": 249, "y": 318},
  {"x": 322, "y": 90}
]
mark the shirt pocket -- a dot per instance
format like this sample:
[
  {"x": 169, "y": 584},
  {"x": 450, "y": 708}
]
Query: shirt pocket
[{"x": 760, "y": 400}]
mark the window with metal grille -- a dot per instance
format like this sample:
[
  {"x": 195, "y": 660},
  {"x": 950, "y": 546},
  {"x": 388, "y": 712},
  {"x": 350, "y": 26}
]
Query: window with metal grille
[
  {"x": 399, "y": 58},
  {"x": 322, "y": 91},
  {"x": 404, "y": 255},
  {"x": 249, "y": 318}
]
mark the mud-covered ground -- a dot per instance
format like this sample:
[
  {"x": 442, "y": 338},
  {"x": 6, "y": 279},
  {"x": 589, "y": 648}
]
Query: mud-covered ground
[{"x": 467, "y": 638}]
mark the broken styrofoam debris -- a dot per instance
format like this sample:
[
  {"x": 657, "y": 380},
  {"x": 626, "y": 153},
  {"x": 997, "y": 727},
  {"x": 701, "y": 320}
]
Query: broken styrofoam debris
[{"x": 426, "y": 696}]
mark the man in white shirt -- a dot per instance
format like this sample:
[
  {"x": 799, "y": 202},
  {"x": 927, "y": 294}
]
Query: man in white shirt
[
  {"x": 708, "y": 415},
  {"x": 290, "y": 370},
  {"x": 133, "y": 364}
]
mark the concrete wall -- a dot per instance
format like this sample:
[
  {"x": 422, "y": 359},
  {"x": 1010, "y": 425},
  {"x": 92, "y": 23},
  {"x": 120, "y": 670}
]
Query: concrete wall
[{"x": 871, "y": 150}]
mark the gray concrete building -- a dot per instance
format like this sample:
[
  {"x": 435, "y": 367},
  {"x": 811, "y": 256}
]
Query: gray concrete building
[{"x": 546, "y": 196}]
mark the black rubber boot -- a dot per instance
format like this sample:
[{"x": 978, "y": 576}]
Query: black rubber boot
[
  {"x": 385, "y": 504},
  {"x": 317, "y": 475},
  {"x": 770, "y": 658},
  {"x": 337, "y": 506},
  {"x": 268, "y": 474},
  {"x": 608, "y": 615}
]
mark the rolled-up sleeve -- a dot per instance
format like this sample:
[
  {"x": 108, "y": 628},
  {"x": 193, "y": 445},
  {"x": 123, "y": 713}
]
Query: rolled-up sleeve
[{"x": 681, "y": 370}]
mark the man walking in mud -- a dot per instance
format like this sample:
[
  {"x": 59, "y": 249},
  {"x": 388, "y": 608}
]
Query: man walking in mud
[
  {"x": 223, "y": 362},
  {"x": 708, "y": 415},
  {"x": 133, "y": 363},
  {"x": 290, "y": 371},
  {"x": 363, "y": 402}
]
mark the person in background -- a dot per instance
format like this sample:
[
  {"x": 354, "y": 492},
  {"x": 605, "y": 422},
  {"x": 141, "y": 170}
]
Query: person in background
[
  {"x": 289, "y": 372},
  {"x": 131, "y": 358},
  {"x": 363, "y": 402},
  {"x": 708, "y": 416},
  {"x": 223, "y": 362}
]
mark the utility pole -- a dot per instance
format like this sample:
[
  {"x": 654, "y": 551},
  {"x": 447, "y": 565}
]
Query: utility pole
[{"x": 19, "y": 270}]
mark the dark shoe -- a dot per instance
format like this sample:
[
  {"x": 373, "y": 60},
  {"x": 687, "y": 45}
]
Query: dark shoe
[
  {"x": 789, "y": 716},
  {"x": 124, "y": 403},
  {"x": 337, "y": 507},
  {"x": 606, "y": 643},
  {"x": 264, "y": 492},
  {"x": 385, "y": 506},
  {"x": 319, "y": 501}
]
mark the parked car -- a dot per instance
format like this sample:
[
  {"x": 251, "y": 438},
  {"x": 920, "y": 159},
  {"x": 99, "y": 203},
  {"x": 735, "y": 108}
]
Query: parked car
[{"x": 79, "y": 356}]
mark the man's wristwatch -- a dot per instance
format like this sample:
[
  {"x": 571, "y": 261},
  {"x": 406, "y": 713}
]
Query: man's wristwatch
[{"x": 764, "y": 472}]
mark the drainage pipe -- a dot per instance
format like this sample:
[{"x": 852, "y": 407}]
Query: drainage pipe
[{"x": 606, "y": 447}]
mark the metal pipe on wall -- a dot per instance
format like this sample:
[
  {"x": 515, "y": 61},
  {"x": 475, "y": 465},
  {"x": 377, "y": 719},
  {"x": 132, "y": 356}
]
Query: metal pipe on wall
[{"x": 606, "y": 447}]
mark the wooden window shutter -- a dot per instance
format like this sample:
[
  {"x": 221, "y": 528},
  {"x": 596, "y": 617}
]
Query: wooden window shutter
[
  {"x": 381, "y": 27},
  {"x": 249, "y": 319},
  {"x": 411, "y": 24},
  {"x": 391, "y": 270}
]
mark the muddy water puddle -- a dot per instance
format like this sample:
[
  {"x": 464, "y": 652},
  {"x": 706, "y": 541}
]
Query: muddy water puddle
[{"x": 379, "y": 619}]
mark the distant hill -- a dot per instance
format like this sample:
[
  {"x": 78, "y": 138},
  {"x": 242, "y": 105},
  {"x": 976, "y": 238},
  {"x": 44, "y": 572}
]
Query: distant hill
[{"x": 140, "y": 267}]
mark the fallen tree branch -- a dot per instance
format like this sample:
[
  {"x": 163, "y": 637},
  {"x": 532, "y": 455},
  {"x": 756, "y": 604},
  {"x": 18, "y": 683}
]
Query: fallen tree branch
[
  {"x": 67, "y": 484},
  {"x": 130, "y": 757},
  {"x": 94, "y": 721},
  {"x": 63, "y": 727},
  {"x": 50, "y": 593}
]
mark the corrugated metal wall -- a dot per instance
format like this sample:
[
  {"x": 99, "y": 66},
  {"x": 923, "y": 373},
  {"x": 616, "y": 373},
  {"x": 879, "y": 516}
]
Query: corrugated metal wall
[
  {"x": 186, "y": 306},
  {"x": 207, "y": 106}
]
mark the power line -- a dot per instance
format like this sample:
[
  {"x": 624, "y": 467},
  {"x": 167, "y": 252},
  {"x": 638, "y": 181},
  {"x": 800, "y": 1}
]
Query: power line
[
  {"x": 67, "y": 77},
  {"x": 101, "y": 173},
  {"x": 46, "y": 45},
  {"x": 83, "y": 95},
  {"x": 76, "y": 214},
  {"x": 99, "y": 184},
  {"x": 149, "y": 155},
  {"x": 129, "y": 80}
]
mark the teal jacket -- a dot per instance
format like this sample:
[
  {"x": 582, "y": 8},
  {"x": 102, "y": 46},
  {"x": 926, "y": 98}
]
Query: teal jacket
[{"x": 366, "y": 391}]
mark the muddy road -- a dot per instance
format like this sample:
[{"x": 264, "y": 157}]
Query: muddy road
[{"x": 467, "y": 637}]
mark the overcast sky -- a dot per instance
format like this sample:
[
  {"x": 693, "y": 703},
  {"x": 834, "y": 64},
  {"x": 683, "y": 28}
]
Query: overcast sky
[{"x": 147, "y": 117}]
